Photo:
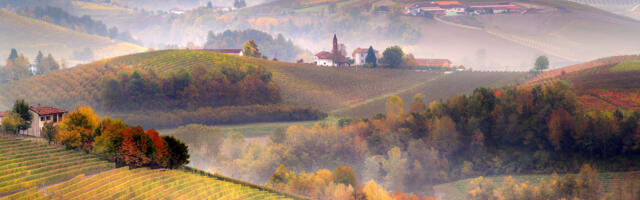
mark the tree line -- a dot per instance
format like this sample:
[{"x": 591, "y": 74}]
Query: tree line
[
  {"x": 18, "y": 66},
  {"x": 136, "y": 89},
  {"x": 83, "y": 24},
  {"x": 489, "y": 132},
  {"x": 275, "y": 47}
]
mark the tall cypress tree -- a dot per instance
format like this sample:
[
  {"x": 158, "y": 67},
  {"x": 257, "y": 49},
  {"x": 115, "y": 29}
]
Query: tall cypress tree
[{"x": 371, "y": 57}]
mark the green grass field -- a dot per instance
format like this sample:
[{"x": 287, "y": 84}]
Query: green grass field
[
  {"x": 626, "y": 66},
  {"x": 29, "y": 36},
  {"x": 457, "y": 190},
  {"x": 435, "y": 89},
  {"x": 261, "y": 129},
  {"x": 32, "y": 169}
]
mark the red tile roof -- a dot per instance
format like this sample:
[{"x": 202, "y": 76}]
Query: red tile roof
[
  {"x": 233, "y": 51},
  {"x": 324, "y": 55},
  {"x": 446, "y": 3},
  {"x": 433, "y": 62},
  {"x": 44, "y": 110},
  {"x": 4, "y": 113}
]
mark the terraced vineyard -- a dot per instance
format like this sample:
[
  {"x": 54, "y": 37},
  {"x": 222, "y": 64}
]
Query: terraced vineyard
[
  {"x": 28, "y": 169},
  {"x": 27, "y": 165}
]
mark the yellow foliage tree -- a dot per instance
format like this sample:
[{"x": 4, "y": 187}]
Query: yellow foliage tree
[
  {"x": 77, "y": 128},
  {"x": 394, "y": 107},
  {"x": 374, "y": 192}
]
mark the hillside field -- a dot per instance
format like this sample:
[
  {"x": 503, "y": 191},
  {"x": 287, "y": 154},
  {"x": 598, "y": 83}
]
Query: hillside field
[
  {"x": 28, "y": 36},
  {"x": 55, "y": 173},
  {"x": 323, "y": 88},
  {"x": 606, "y": 83},
  {"x": 436, "y": 89}
]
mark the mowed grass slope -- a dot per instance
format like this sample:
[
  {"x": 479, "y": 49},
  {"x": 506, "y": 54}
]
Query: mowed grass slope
[
  {"x": 29, "y": 36},
  {"x": 436, "y": 89},
  {"x": 34, "y": 170},
  {"x": 602, "y": 84}
]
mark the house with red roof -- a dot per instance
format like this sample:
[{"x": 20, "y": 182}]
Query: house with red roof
[
  {"x": 333, "y": 58},
  {"x": 433, "y": 62},
  {"x": 42, "y": 115},
  {"x": 360, "y": 55}
]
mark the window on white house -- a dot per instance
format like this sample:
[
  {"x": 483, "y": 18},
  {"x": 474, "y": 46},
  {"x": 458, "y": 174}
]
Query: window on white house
[
  {"x": 41, "y": 118},
  {"x": 48, "y": 118}
]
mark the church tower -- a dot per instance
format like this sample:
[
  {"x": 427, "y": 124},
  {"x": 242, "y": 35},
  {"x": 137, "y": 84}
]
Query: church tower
[{"x": 335, "y": 51}]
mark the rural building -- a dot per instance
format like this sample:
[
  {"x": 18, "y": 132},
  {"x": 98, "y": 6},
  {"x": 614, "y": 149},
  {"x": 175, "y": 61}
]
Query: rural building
[
  {"x": 3, "y": 114},
  {"x": 493, "y": 8},
  {"x": 176, "y": 11},
  {"x": 221, "y": 9},
  {"x": 324, "y": 58},
  {"x": 333, "y": 58},
  {"x": 360, "y": 55},
  {"x": 433, "y": 62},
  {"x": 42, "y": 115},
  {"x": 227, "y": 51}
]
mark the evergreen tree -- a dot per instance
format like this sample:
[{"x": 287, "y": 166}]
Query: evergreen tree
[
  {"x": 371, "y": 59},
  {"x": 239, "y": 4},
  {"x": 542, "y": 63},
  {"x": 22, "y": 108},
  {"x": 13, "y": 55},
  {"x": 209, "y": 5}
]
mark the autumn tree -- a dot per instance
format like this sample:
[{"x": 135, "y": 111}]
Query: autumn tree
[
  {"x": 250, "y": 48},
  {"x": 109, "y": 138},
  {"x": 135, "y": 148},
  {"x": 11, "y": 122},
  {"x": 344, "y": 175},
  {"x": 77, "y": 128},
  {"x": 394, "y": 107},
  {"x": 49, "y": 131},
  {"x": 445, "y": 137},
  {"x": 418, "y": 104}
]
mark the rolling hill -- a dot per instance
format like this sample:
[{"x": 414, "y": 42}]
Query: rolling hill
[
  {"x": 33, "y": 169},
  {"x": 324, "y": 88},
  {"x": 606, "y": 83},
  {"x": 29, "y": 36}
]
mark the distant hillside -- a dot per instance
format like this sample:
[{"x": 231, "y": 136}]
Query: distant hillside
[
  {"x": 324, "y": 88},
  {"x": 32, "y": 169},
  {"x": 606, "y": 83},
  {"x": 29, "y": 36}
]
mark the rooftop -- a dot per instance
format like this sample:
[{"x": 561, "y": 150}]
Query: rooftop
[{"x": 45, "y": 110}]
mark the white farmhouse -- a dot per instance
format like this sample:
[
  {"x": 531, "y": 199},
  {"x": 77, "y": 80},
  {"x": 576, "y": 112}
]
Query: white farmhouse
[
  {"x": 42, "y": 115},
  {"x": 360, "y": 55},
  {"x": 323, "y": 58}
]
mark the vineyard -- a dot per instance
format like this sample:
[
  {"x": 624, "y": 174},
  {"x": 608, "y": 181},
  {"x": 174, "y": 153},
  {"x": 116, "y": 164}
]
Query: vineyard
[
  {"x": 26, "y": 164},
  {"x": 39, "y": 35},
  {"x": 34, "y": 170},
  {"x": 603, "y": 84},
  {"x": 320, "y": 87}
]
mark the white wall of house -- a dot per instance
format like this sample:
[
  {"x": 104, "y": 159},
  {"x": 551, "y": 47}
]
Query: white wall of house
[
  {"x": 359, "y": 58},
  {"x": 323, "y": 62},
  {"x": 38, "y": 122}
]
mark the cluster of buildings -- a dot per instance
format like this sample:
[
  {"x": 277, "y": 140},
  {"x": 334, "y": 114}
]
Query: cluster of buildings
[
  {"x": 454, "y": 8},
  {"x": 41, "y": 115},
  {"x": 359, "y": 55}
]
